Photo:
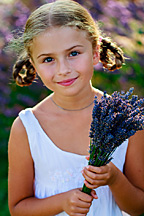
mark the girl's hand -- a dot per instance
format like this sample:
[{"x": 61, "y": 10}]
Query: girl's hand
[
  {"x": 78, "y": 203},
  {"x": 99, "y": 176}
]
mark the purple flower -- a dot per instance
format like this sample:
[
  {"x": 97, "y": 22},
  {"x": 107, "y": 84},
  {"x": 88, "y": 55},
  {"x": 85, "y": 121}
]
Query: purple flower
[{"x": 114, "y": 119}]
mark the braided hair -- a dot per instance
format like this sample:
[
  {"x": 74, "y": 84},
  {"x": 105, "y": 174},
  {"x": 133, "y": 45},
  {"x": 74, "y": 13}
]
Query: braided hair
[
  {"x": 105, "y": 56},
  {"x": 23, "y": 72}
]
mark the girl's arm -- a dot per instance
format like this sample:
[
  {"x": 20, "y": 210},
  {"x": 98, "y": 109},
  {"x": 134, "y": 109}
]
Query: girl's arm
[
  {"x": 127, "y": 188},
  {"x": 20, "y": 184}
]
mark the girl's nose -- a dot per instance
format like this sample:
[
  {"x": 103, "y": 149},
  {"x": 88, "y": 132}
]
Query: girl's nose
[{"x": 63, "y": 67}]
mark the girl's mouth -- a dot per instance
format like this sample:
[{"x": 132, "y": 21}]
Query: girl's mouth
[{"x": 67, "y": 82}]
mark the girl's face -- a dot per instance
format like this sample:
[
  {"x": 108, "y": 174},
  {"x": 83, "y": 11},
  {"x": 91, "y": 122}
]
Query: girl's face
[{"x": 63, "y": 58}]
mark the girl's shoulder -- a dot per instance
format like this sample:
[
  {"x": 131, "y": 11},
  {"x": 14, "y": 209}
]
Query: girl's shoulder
[
  {"x": 17, "y": 128},
  {"x": 43, "y": 110},
  {"x": 42, "y": 105},
  {"x": 18, "y": 141},
  {"x": 98, "y": 93}
]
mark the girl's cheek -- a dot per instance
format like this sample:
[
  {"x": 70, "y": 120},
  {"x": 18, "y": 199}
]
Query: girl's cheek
[{"x": 45, "y": 72}]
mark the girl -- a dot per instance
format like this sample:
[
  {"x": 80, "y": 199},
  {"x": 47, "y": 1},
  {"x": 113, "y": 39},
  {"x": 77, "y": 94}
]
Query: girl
[{"x": 48, "y": 143}]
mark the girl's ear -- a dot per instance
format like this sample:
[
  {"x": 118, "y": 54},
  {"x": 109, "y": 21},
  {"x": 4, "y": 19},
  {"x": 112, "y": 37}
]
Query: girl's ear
[{"x": 96, "y": 55}]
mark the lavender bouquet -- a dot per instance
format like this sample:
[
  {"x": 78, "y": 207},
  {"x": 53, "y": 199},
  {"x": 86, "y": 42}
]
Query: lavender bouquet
[{"x": 114, "y": 119}]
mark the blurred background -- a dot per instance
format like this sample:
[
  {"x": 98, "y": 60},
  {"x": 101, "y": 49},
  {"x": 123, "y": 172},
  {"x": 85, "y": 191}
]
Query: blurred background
[{"x": 122, "y": 20}]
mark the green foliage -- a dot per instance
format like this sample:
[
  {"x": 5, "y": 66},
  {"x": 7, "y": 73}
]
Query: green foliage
[{"x": 4, "y": 211}]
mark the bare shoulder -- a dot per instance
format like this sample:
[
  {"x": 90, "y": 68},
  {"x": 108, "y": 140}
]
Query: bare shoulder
[
  {"x": 17, "y": 134},
  {"x": 43, "y": 106},
  {"x": 18, "y": 146},
  {"x": 21, "y": 172},
  {"x": 98, "y": 93},
  {"x": 134, "y": 165},
  {"x": 17, "y": 126}
]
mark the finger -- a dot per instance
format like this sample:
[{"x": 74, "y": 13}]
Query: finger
[
  {"x": 95, "y": 185},
  {"x": 99, "y": 170},
  {"x": 91, "y": 176},
  {"x": 80, "y": 214},
  {"x": 81, "y": 210},
  {"x": 93, "y": 194},
  {"x": 83, "y": 204},
  {"x": 86, "y": 198},
  {"x": 87, "y": 173}
]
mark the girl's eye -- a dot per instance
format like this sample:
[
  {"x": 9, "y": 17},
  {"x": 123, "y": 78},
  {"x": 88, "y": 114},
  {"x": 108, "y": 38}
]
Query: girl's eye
[
  {"x": 48, "y": 59},
  {"x": 74, "y": 53}
]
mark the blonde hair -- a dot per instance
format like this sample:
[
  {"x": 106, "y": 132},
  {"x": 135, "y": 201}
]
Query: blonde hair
[{"x": 57, "y": 14}]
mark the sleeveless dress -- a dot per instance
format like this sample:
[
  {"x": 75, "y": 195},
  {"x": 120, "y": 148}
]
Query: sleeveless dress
[{"x": 57, "y": 171}]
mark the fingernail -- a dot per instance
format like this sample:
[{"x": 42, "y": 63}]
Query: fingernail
[{"x": 95, "y": 197}]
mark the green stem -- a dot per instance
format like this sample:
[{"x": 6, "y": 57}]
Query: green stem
[
  {"x": 86, "y": 190},
  {"x": 97, "y": 163}
]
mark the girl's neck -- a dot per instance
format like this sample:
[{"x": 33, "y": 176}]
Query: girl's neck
[{"x": 74, "y": 103}]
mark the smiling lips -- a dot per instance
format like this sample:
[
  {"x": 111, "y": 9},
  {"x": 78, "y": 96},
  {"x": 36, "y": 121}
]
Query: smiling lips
[{"x": 67, "y": 82}]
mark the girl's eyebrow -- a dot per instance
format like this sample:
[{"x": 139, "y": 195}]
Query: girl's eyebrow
[{"x": 48, "y": 54}]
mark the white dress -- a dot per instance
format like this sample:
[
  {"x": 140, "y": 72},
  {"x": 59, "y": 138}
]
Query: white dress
[{"x": 57, "y": 171}]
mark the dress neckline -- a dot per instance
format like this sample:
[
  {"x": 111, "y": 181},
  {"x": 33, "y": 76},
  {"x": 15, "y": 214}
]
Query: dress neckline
[{"x": 51, "y": 142}]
